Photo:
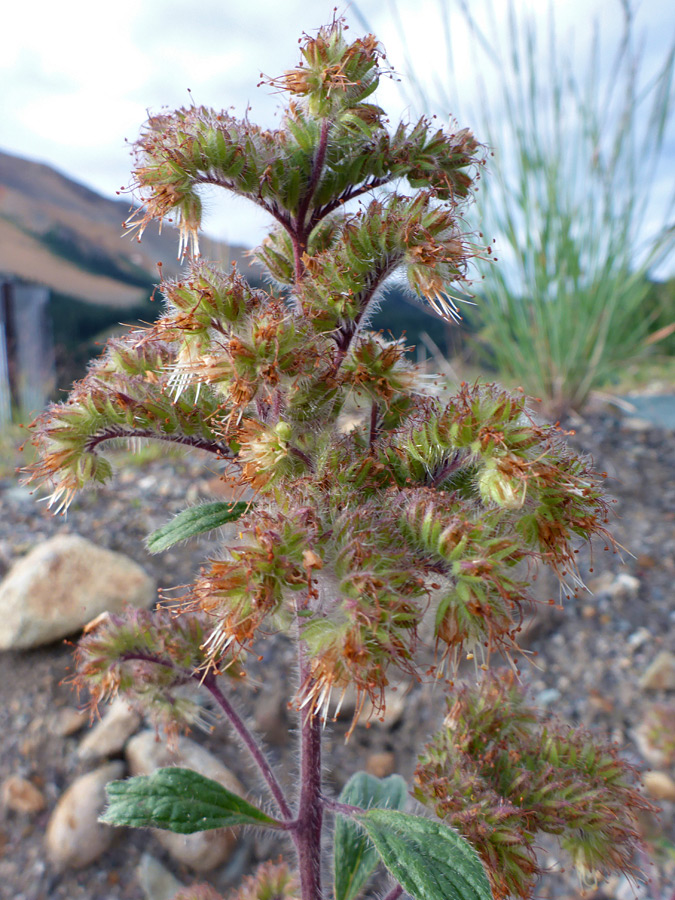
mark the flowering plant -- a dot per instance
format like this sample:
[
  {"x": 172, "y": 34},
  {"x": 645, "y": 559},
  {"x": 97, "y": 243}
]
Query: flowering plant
[{"x": 422, "y": 522}]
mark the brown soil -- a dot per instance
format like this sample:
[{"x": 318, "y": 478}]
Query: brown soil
[{"x": 587, "y": 670}]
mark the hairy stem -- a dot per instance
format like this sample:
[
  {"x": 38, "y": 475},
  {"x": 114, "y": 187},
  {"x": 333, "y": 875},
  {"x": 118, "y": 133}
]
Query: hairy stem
[
  {"x": 446, "y": 469},
  {"x": 308, "y": 825},
  {"x": 374, "y": 423},
  {"x": 209, "y": 682},
  {"x": 394, "y": 893},
  {"x": 301, "y": 233},
  {"x": 344, "y": 809},
  {"x": 346, "y": 333},
  {"x": 211, "y": 685},
  {"x": 317, "y": 167},
  {"x": 121, "y": 432}
]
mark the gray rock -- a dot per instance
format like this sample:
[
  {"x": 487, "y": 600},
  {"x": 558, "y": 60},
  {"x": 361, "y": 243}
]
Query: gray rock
[
  {"x": 110, "y": 734},
  {"x": 61, "y": 585},
  {"x": 155, "y": 880},
  {"x": 75, "y": 837},
  {"x": 270, "y": 717},
  {"x": 660, "y": 675},
  {"x": 207, "y": 849}
]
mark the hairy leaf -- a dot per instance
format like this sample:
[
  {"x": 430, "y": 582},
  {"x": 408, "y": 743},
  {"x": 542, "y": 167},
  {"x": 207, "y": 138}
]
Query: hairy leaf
[
  {"x": 355, "y": 858},
  {"x": 178, "y": 800},
  {"x": 193, "y": 521},
  {"x": 429, "y": 860}
]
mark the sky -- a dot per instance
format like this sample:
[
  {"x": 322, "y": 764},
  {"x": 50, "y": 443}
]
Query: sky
[{"x": 77, "y": 79}]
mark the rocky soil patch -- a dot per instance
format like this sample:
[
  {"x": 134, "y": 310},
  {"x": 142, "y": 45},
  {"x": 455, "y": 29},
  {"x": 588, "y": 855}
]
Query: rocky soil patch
[{"x": 607, "y": 662}]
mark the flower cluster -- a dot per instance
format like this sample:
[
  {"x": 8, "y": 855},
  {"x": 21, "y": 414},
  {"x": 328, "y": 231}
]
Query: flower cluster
[
  {"x": 500, "y": 774},
  {"x": 271, "y": 881},
  {"x": 150, "y": 659}
]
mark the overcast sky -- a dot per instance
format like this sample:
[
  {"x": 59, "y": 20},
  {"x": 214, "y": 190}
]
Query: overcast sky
[{"x": 78, "y": 77}]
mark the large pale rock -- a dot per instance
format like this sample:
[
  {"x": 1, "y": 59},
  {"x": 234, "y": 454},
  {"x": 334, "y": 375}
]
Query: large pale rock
[
  {"x": 75, "y": 837},
  {"x": 110, "y": 734},
  {"x": 381, "y": 764},
  {"x": 207, "y": 849},
  {"x": 61, "y": 585}
]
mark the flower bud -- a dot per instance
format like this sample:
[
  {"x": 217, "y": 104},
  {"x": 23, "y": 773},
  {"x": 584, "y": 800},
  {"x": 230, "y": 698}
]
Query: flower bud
[
  {"x": 497, "y": 488},
  {"x": 284, "y": 431}
]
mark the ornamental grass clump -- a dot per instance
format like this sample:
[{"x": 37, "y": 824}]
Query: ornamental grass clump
[{"x": 427, "y": 507}]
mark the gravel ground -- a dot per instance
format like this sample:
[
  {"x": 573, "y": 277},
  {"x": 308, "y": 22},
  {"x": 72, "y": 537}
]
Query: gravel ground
[{"x": 588, "y": 665}]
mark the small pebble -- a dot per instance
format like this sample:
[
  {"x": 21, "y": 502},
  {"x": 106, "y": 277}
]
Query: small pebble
[
  {"x": 381, "y": 764},
  {"x": 547, "y": 697},
  {"x": 659, "y": 785},
  {"x": 639, "y": 637},
  {"x": 660, "y": 675},
  {"x": 68, "y": 721},
  {"x": 155, "y": 880},
  {"x": 20, "y": 795}
]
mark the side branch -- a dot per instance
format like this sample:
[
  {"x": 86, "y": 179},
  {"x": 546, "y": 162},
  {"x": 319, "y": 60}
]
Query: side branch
[
  {"x": 317, "y": 167},
  {"x": 270, "y": 208},
  {"x": 120, "y": 432},
  {"x": 346, "y": 333},
  {"x": 347, "y": 195},
  {"x": 211, "y": 685}
]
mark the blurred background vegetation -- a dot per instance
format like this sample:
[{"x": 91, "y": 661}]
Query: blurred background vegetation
[{"x": 578, "y": 197}]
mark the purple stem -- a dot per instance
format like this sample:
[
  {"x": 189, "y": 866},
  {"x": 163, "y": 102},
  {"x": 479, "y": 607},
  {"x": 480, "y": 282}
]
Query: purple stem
[
  {"x": 115, "y": 432},
  {"x": 249, "y": 742},
  {"x": 394, "y": 893},
  {"x": 343, "y": 808},
  {"x": 209, "y": 682},
  {"x": 374, "y": 429},
  {"x": 307, "y": 830},
  {"x": 308, "y": 825},
  {"x": 300, "y": 232}
]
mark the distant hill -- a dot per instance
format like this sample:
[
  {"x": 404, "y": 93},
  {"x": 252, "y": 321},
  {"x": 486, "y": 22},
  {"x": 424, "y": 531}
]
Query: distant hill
[
  {"x": 56, "y": 232},
  {"x": 59, "y": 233}
]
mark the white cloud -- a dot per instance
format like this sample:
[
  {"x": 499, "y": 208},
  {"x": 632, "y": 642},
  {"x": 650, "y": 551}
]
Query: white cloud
[{"x": 78, "y": 76}]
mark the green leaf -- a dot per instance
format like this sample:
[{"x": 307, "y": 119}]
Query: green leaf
[
  {"x": 428, "y": 859},
  {"x": 355, "y": 858},
  {"x": 193, "y": 521},
  {"x": 178, "y": 800}
]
